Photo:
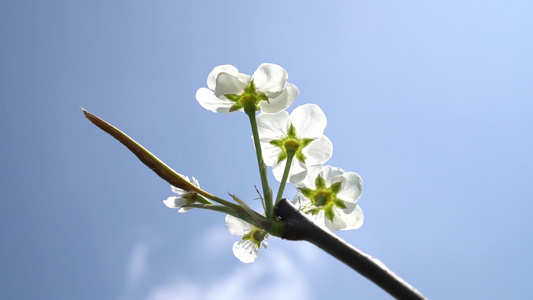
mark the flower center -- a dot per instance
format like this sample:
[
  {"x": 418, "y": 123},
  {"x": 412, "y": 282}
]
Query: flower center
[
  {"x": 256, "y": 236},
  {"x": 323, "y": 198},
  {"x": 191, "y": 197},
  {"x": 249, "y": 99},
  {"x": 291, "y": 144}
]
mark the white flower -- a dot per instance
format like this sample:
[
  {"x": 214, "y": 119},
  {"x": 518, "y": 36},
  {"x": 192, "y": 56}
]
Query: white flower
[
  {"x": 330, "y": 198},
  {"x": 228, "y": 90},
  {"x": 252, "y": 238},
  {"x": 183, "y": 198},
  {"x": 304, "y": 130}
]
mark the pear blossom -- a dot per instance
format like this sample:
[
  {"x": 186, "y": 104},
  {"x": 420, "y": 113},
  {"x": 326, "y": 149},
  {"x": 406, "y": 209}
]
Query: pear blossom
[
  {"x": 330, "y": 199},
  {"x": 184, "y": 197},
  {"x": 229, "y": 91},
  {"x": 252, "y": 238},
  {"x": 303, "y": 129}
]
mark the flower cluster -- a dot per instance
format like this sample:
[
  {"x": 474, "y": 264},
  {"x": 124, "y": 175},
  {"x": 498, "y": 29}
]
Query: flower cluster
[
  {"x": 296, "y": 149},
  {"x": 294, "y": 145}
]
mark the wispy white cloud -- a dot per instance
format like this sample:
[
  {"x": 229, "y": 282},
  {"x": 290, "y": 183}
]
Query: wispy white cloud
[
  {"x": 137, "y": 264},
  {"x": 278, "y": 275}
]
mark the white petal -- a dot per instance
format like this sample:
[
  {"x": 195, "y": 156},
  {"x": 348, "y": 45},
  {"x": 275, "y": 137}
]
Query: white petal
[
  {"x": 352, "y": 216},
  {"x": 184, "y": 209},
  {"x": 273, "y": 126},
  {"x": 331, "y": 174},
  {"x": 282, "y": 101},
  {"x": 211, "y": 79},
  {"x": 229, "y": 84},
  {"x": 337, "y": 224},
  {"x": 309, "y": 180},
  {"x": 309, "y": 121},
  {"x": 175, "y": 202},
  {"x": 351, "y": 188},
  {"x": 318, "y": 151},
  {"x": 237, "y": 226},
  {"x": 300, "y": 201},
  {"x": 318, "y": 219},
  {"x": 194, "y": 181},
  {"x": 297, "y": 172},
  {"x": 178, "y": 191},
  {"x": 270, "y": 153},
  {"x": 346, "y": 219},
  {"x": 209, "y": 101},
  {"x": 270, "y": 78},
  {"x": 245, "y": 251}
]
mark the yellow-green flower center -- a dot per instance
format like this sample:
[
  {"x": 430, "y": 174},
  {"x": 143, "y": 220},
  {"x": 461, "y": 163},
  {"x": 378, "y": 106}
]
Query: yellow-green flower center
[
  {"x": 250, "y": 98},
  {"x": 323, "y": 198},
  {"x": 256, "y": 236},
  {"x": 292, "y": 144}
]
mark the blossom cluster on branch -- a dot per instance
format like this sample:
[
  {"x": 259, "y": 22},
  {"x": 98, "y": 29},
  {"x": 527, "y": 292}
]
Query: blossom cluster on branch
[
  {"x": 293, "y": 145},
  {"x": 296, "y": 149}
]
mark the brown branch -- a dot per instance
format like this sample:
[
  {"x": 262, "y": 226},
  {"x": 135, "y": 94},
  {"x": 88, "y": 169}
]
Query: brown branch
[
  {"x": 299, "y": 227},
  {"x": 145, "y": 156}
]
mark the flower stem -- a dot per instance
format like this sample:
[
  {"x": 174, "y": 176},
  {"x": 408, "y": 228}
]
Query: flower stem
[
  {"x": 236, "y": 212},
  {"x": 217, "y": 199},
  {"x": 290, "y": 156},
  {"x": 299, "y": 227},
  {"x": 267, "y": 192}
]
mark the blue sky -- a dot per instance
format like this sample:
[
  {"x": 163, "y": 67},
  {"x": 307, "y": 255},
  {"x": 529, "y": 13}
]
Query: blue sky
[{"x": 430, "y": 102}]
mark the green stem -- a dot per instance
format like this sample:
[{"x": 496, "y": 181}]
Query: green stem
[
  {"x": 267, "y": 192},
  {"x": 237, "y": 212},
  {"x": 290, "y": 156},
  {"x": 217, "y": 199},
  {"x": 218, "y": 208},
  {"x": 273, "y": 227}
]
